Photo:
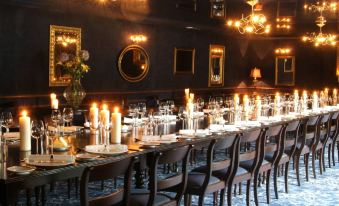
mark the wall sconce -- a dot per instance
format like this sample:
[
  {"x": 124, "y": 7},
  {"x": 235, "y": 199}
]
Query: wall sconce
[
  {"x": 283, "y": 51},
  {"x": 284, "y": 23},
  {"x": 138, "y": 38},
  {"x": 255, "y": 74},
  {"x": 217, "y": 51}
]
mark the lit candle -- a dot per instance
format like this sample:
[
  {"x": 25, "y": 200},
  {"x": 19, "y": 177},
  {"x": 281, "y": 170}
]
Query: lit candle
[
  {"x": 258, "y": 107},
  {"x": 236, "y": 101},
  {"x": 304, "y": 101},
  {"x": 55, "y": 104},
  {"x": 277, "y": 104},
  {"x": 104, "y": 116},
  {"x": 296, "y": 100},
  {"x": 192, "y": 97},
  {"x": 53, "y": 97},
  {"x": 315, "y": 100},
  {"x": 116, "y": 126},
  {"x": 25, "y": 132},
  {"x": 187, "y": 94},
  {"x": 246, "y": 106},
  {"x": 334, "y": 97},
  {"x": 94, "y": 116}
]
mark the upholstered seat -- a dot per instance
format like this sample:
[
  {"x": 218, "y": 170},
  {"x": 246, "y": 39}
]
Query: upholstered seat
[
  {"x": 141, "y": 197},
  {"x": 196, "y": 180}
]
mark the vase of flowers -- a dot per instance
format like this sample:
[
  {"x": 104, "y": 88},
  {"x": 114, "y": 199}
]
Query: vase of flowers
[{"x": 74, "y": 66}]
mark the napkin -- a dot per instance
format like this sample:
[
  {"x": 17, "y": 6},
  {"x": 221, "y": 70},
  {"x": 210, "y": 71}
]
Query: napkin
[
  {"x": 130, "y": 120},
  {"x": 202, "y": 132},
  {"x": 186, "y": 131},
  {"x": 12, "y": 135},
  {"x": 216, "y": 127}
]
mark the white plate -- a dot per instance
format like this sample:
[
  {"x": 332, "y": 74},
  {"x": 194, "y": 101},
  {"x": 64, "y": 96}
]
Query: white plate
[
  {"x": 48, "y": 162},
  {"x": 86, "y": 157},
  {"x": 149, "y": 144},
  {"x": 112, "y": 149},
  {"x": 20, "y": 170}
]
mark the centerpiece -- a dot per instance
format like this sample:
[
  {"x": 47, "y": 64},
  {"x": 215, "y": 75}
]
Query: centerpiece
[{"x": 74, "y": 66}]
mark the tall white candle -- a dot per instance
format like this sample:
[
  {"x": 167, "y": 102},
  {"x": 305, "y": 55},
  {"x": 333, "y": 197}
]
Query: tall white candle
[
  {"x": 104, "y": 116},
  {"x": 334, "y": 97},
  {"x": 25, "y": 132},
  {"x": 187, "y": 94},
  {"x": 192, "y": 97},
  {"x": 116, "y": 126},
  {"x": 277, "y": 104},
  {"x": 236, "y": 101},
  {"x": 304, "y": 101},
  {"x": 246, "y": 104},
  {"x": 315, "y": 100},
  {"x": 55, "y": 104},
  {"x": 258, "y": 107},
  {"x": 295, "y": 100},
  {"x": 53, "y": 97},
  {"x": 94, "y": 116}
]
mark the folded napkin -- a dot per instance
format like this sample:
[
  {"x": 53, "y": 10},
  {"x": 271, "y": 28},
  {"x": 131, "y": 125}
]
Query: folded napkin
[
  {"x": 202, "y": 132},
  {"x": 70, "y": 129},
  {"x": 216, "y": 127},
  {"x": 46, "y": 158},
  {"x": 130, "y": 120},
  {"x": 231, "y": 128},
  {"x": 12, "y": 135},
  {"x": 155, "y": 138}
]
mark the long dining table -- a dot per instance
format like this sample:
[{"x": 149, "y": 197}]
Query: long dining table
[{"x": 11, "y": 183}]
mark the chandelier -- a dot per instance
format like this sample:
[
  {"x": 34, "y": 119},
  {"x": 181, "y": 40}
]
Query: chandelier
[
  {"x": 320, "y": 7},
  {"x": 255, "y": 23},
  {"x": 321, "y": 39},
  {"x": 65, "y": 40}
]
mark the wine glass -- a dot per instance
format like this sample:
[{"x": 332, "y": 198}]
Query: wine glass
[
  {"x": 51, "y": 134},
  {"x": 8, "y": 120},
  {"x": 56, "y": 117},
  {"x": 67, "y": 115},
  {"x": 38, "y": 129}
]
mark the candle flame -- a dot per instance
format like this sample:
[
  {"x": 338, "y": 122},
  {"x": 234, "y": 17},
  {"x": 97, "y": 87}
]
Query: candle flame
[
  {"x": 116, "y": 109},
  {"x": 24, "y": 113},
  {"x": 258, "y": 97},
  {"x": 53, "y": 96},
  {"x": 104, "y": 107},
  {"x": 94, "y": 105}
]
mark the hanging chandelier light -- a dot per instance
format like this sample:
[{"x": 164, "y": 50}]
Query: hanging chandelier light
[
  {"x": 255, "y": 23},
  {"x": 321, "y": 39}
]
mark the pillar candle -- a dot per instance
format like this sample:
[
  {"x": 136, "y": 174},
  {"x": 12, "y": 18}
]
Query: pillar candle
[
  {"x": 322, "y": 99},
  {"x": 104, "y": 116},
  {"x": 277, "y": 104},
  {"x": 25, "y": 132},
  {"x": 334, "y": 97},
  {"x": 187, "y": 94},
  {"x": 53, "y": 97},
  {"x": 315, "y": 100},
  {"x": 236, "y": 101},
  {"x": 192, "y": 97},
  {"x": 55, "y": 104},
  {"x": 295, "y": 100},
  {"x": 258, "y": 107},
  {"x": 94, "y": 116},
  {"x": 116, "y": 126},
  {"x": 304, "y": 101},
  {"x": 246, "y": 106}
]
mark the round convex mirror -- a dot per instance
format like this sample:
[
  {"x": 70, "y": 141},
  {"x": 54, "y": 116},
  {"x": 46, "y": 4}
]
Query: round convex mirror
[{"x": 133, "y": 63}]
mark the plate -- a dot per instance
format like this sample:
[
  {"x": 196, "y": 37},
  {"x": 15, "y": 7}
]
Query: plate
[
  {"x": 112, "y": 149},
  {"x": 21, "y": 170},
  {"x": 50, "y": 161},
  {"x": 60, "y": 149},
  {"x": 149, "y": 144},
  {"x": 86, "y": 157}
]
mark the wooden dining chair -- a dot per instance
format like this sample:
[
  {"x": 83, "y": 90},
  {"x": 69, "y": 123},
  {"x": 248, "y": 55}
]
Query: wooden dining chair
[
  {"x": 334, "y": 135},
  {"x": 332, "y": 138},
  {"x": 325, "y": 137},
  {"x": 218, "y": 171},
  {"x": 251, "y": 151},
  {"x": 175, "y": 183},
  {"x": 104, "y": 172}
]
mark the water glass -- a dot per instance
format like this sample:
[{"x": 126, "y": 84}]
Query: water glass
[
  {"x": 51, "y": 134},
  {"x": 38, "y": 129}
]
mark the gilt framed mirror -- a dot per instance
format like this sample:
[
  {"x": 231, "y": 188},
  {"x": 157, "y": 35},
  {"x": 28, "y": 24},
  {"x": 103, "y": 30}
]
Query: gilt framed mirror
[
  {"x": 216, "y": 66},
  {"x": 62, "y": 40},
  {"x": 285, "y": 70},
  {"x": 133, "y": 63},
  {"x": 184, "y": 59}
]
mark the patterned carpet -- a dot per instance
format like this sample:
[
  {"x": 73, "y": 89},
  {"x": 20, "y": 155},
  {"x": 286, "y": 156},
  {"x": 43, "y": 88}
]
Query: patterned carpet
[{"x": 321, "y": 191}]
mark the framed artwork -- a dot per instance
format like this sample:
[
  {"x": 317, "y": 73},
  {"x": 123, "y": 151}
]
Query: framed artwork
[{"x": 184, "y": 59}]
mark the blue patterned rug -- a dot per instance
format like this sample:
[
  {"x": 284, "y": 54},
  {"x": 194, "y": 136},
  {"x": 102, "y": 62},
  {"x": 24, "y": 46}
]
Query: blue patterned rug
[{"x": 321, "y": 191}]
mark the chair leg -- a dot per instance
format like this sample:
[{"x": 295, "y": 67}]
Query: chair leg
[
  {"x": 37, "y": 196},
  {"x": 255, "y": 189},
  {"x": 297, "y": 169},
  {"x": 306, "y": 165},
  {"x": 286, "y": 176},
  {"x": 321, "y": 161},
  {"x": 332, "y": 148},
  {"x": 275, "y": 181},
  {"x": 329, "y": 155},
  {"x": 201, "y": 200},
  {"x": 313, "y": 164},
  {"x": 215, "y": 198},
  {"x": 268, "y": 175},
  {"x": 222, "y": 197},
  {"x": 229, "y": 194},
  {"x": 248, "y": 189}
]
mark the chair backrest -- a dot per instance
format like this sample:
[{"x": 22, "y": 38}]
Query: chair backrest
[
  {"x": 251, "y": 147},
  {"x": 178, "y": 180},
  {"x": 313, "y": 126},
  {"x": 335, "y": 124},
  {"x": 103, "y": 172},
  {"x": 326, "y": 126},
  {"x": 292, "y": 130},
  {"x": 275, "y": 141}
]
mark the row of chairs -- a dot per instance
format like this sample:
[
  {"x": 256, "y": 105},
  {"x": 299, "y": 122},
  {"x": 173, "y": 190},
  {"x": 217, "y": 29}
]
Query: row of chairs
[{"x": 250, "y": 156}]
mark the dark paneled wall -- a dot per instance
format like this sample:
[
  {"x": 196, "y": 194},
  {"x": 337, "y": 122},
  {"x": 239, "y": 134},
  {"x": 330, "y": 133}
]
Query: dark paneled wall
[{"x": 24, "y": 44}]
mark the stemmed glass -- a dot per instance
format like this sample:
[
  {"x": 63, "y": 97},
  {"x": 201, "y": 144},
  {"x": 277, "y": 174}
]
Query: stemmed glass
[
  {"x": 38, "y": 129},
  {"x": 51, "y": 134},
  {"x": 56, "y": 117},
  {"x": 67, "y": 115},
  {"x": 8, "y": 120}
]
